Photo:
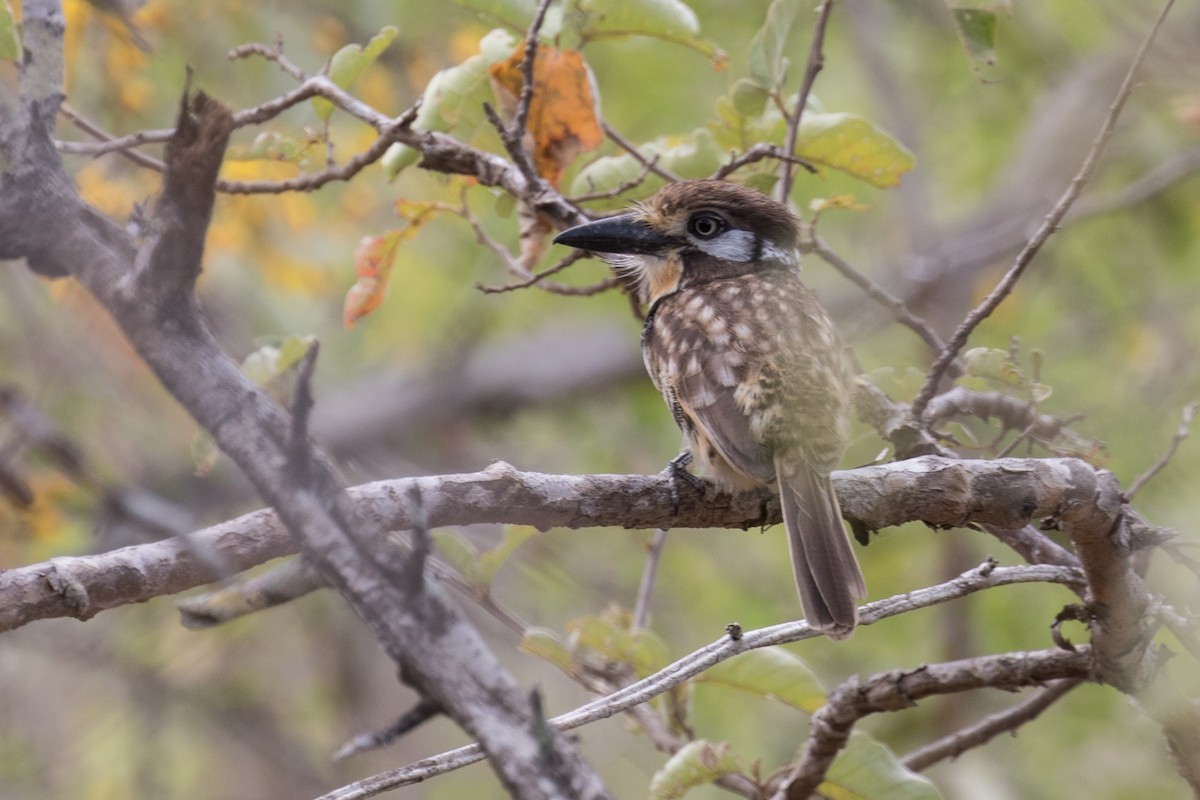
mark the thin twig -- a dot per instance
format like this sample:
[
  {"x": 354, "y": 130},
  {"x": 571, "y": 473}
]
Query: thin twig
[
  {"x": 317, "y": 86},
  {"x": 758, "y": 152},
  {"x": 641, "y": 606},
  {"x": 109, "y": 143},
  {"x": 618, "y": 190},
  {"x": 1181, "y": 433},
  {"x": 816, "y": 61},
  {"x": 535, "y": 278},
  {"x": 882, "y": 296},
  {"x": 1048, "y": 226},
  {"x": 647, "y": 163},
  {"x": 986, "y": 729},
  {"x": 1141, "y": 189},
  {"x": 270, "y": 53},
  {"x": 422, "y": 712},
  {"x": 521, "y": 117}
]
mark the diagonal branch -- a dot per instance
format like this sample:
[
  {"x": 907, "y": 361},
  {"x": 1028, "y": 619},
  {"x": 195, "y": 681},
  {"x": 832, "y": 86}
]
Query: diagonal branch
[
  {"x": 816, "y": 62},
  {"x": 982, "y": 732},
  {"x": 899, "y": 689},
  {"x": 437, "y": 650},
  {"x": 1048, "y": 227}
]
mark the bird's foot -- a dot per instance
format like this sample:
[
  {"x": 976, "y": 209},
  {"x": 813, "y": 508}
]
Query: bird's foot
[{"x": 675, "y": 472}]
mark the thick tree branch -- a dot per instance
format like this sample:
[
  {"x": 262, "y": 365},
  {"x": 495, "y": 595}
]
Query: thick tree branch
[{"x": 941, "y": 492}]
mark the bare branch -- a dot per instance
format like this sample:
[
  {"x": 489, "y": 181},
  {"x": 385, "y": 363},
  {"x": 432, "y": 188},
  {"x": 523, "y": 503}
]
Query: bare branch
[
  {"x": 757, "y": 152},
  {"x": 621, "y": 188},
  {"x": 986, "y": 729},
  {"x": 1047, "y": 228},
  {"x": 880, "y": 295},
  {"x": 899, "y": 689},
  {"x": 418, "y": 715},
  {"x": 1156, "y": 180},
  {"x": 1181, "y": 433},
  {"x": 647, "y": 163},
  {"x": 273, "y": 53},
  {"x": 641, "y": 606},
  {"x": 521, "y": 117},
  {"x": 941, "y": 492},
  {"x": 95, "y": 131},
  {"x": 816, "y": 61},
  {"x": 534, "y": 279}
]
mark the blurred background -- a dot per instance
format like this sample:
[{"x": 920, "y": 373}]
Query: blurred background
[{"x": 446, "y": 378}]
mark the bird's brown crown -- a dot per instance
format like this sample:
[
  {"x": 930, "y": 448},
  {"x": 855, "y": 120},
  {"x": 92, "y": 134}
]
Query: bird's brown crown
[{"x": 670, "y": 209}]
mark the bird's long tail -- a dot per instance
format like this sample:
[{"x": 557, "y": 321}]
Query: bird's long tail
[{"x": 827, "y": 573}]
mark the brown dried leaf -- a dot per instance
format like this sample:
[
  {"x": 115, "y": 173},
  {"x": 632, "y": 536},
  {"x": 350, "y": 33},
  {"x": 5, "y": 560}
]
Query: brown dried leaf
[{"x": 563, "y": 121}]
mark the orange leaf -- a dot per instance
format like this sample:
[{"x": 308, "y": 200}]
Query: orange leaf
[
  {"x": 375, "y": 256},
  {"x": 562, "y": 115},
  {"x": 373, "y": 262}
]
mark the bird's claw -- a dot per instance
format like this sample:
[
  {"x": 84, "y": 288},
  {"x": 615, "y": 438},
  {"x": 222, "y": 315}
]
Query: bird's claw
[{"x": 675, "y": 472}]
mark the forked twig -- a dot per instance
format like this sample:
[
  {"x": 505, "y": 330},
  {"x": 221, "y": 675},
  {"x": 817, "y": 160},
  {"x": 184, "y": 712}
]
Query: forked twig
[{"x": 1043, "y": 233}]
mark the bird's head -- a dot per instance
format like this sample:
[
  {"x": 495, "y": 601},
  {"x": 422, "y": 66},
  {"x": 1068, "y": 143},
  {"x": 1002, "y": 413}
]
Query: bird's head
[{"x": 691, "y": 232}]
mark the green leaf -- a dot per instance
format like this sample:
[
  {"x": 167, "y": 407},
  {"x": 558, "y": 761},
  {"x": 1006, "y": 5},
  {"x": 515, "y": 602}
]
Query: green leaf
[
  {"x": 697, "y": 763},
  {"x": 349, "y": 62},
  {"x": 10, "y": 44},
  {"x": 271, "y": 361},
  {"x": 669, "y": 20},
  {"x": 868, "y": 770},
  {"x": 993, "y": 364},
  {"x": 454, "y": 99},
  {"x": 975, "y": 21},
  {"x": 773, "y": 673},
  {"x": 770, "y": 46},
  {"x": 749, "y": 98},
  {"x": 461, "y": 554},
  {"x": 272, "y": 146},
  {"x": 545, "y": 645},
  {"x": 491, "y": 560},
  {"x": 1040, "y": 392},
  {"x": 978, "y": 32},
  {"x": 608, "y": 634},
  {"x": 292, "y": 350},
  {"x": 695, "y": 155},
  {"x": 854, "y": 145},
  {"x": 479, "y": 568}
]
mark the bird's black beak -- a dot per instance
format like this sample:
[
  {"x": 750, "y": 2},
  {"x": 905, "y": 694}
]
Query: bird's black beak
[{"x": 626, "y": 234}]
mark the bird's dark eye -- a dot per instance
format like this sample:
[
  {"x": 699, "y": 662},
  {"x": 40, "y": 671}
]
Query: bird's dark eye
[{"x": 706, "y": 226}]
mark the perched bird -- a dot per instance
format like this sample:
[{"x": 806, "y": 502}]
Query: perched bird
[{"x": 747, "y": 361}]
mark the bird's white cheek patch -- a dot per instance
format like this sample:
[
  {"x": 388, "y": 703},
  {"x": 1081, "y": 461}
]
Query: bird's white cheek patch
[{"x": 733, "y": 245}]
